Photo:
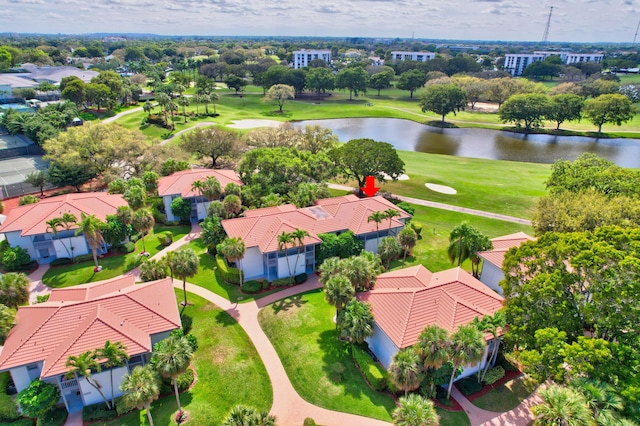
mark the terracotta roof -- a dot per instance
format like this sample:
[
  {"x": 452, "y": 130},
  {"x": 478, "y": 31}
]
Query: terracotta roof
[
  {"x": 261, "y": 227},
  {"x": 180, "y": 182},
  {"x": 501, "y": 245},
  {"x": 72, "y": 322},
  {"x": 32, "y": 218},
  {"x": 404, "y": 302}
]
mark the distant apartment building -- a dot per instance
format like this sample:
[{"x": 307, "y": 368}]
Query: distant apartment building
[
  {"x": 412, "y": 56},
  {"x": 302, "y": 58},
  {"x": 516, "y": 63}
]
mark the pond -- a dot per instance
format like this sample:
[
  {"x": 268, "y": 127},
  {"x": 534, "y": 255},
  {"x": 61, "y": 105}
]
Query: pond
[{"x": 480, "y": 143}]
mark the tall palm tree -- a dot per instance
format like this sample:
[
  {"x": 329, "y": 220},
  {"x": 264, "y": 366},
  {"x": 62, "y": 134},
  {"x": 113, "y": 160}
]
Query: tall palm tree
[
  {"x": 213, "y": 98},
  {"x": 415, "y": 410},
  {"x": 147, "y": 107},
  {"x": 91, "y": 227},
  {"x": 185, "y": 264},
  {"x": 114, "y": 355},
  {"x": 232, "y": 205},
  {"x": 407, "y": 239},
  {"x": 338, "y": 291},
  {"x": 143, "y": 222},
  {"x": 297, "y": 237},
  {"x": 233, "y": 249},
  {"x": 141, "y": 388},
  {"x": 14, "y": 289},
  {"x": 467, "y": 347},
  {"x": 458, "y": 249},
  {"x": 602, "y": 399},
  {"x": 197, "y": 185},
  {"x": 357, "y": 321},
  {"x": 562, "y": 406},
  {"x": 329, "y": 268},
  {"x": 433, "y": 348},
  {"x": 125, "y": 214},
  {"x": 389, "y": 249},
  {"x": 183, "y": 101},
  {"x": 491, "y": 324},
  {"x": 171, "y": 359},
  {"x": 284, "y": 239},
  {"x": 390, "y": 214},
  {"x": 405, "y": 371},
  {"x": 376, "y": 217},
  {"x": 82, "y": 365},
  {"x": 359, "y": 271},
  {"x": 211, "y": 188},
  {"x": 67, "y": 220}
]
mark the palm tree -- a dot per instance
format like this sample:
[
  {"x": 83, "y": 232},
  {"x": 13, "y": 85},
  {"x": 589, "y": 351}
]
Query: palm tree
[
  {"x": 183, "y": 101},
  {"x": 213, "y": 98},
  {"x": 14, "y": 289},
  {"x": 329, "y": 268},
  {"x": 91, "y": 227},
  {"x": 433, "y": 348},
  {"x": 414, "y": 410},
  {"x": 491, "y": 324},
  {"x": 172, "y": 358},
  {"x": 143, "y": 222},
  {"x": 164, "y": 100},
  {"x": 125, "y": 215},
  {"x": 297, "y": 237},
  {"x": 241, "y": 415},
  {"x": 405, "y": 371},
  {"x": 147, "y": 107},
  {"x": 602, "y": 399},
  {"x": 211, "y": 188},
  {"x": 407, "y": 239},
  {"x": 52, "y": 227},
  {"x": 357, "y": 321},
  {"x": 67, "y": 221},
  {"x": 184, "y": 264},
  {"x": 233, "y": 249},
  {"x": 82, "y": 365},
  {"x": 376, "y": 217},
  {"x": 197, "y": 185},
  {"x": 388, "y": 249},
  {"x": 458, "y": 249},
  {"x": 141, "y": 388},
  {"x": 152, "y": 270},
  {"x": 338, "y": 291},
  {"x": 562, "y": 406},
  {"x": 113, "y": 355},
  {"x": 284, "y": 240},
  {"x": 390, "y": 214},
  {"x": 467, "y": 347},
  {"x": 360, "y": 271},
  {"x": 232, "y": 205}
]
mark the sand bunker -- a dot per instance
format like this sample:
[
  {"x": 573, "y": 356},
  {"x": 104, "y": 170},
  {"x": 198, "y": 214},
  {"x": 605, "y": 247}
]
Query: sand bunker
[
  {"x": 441, "y": 188},
  {"x": 401, "y": 177},
  {"x": 253, "y": 123}
]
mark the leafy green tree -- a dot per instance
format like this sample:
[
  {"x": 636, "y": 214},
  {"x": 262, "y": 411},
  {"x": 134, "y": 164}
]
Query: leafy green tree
[
  {"x": 412, "y": 80},
  {"x": 357, "y": 321},
  {"x": 15, "y": 259},
  {"x": 39, "y": 179},
  {"x": 82, "y": 366},
  {"x": 184, "y": 264},
  {"x": 181, "y": 208},
  {"x": 306, "y": 194},
  {"x": 443, "y": 99},
  {"x": 236, "y": 83},
  {"x": 338, "y": 291},
  {"x": 148, "y": 108},
  {"x": 91, "y": 227},
  {"x": 433, "y": 348},
  {"x": 7, "y": 321},
  {"x": 541, "y": 70},
  {"x": 212, "y": 233},
  {"x": 360, "y": 158},
  {"x": 135, "y": 196},
  {"x": 564, "y": 107},
  {"x": 171, "y": 358},
  {"x": 38, "y": 398},
  {"x": 112, "y": 355},
  {"x": 355, "y": 80},
  {"x": 143, "y": 222},
  {"x": 382, "y": 80},
  {"x": 14, "y": 289},
  {"x": 388, "y": 249},
  {"x": 415, "y": 410},
  {"x": 529, "y": 109},
  {"x": 280, "y": 94},
  {"x": 465, "y": 242},
  {"x": 467, "y": 347},
  {"x": 613, "y": 108},
  {"x": 405, "y": 371},
  {"x": 63, "y": 174},
  {"x": 320, "y": 80},
  {"x": 212, "y": 142},
  {"x": 98, "y": 95},
  {"x": 562, "y": 405},
  {"x": 141, "y": 387},
  {"x": 151, "y": 270}
]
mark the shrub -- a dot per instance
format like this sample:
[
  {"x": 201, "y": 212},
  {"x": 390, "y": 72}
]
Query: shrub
[
  {"x": 469, "y": 385},
  {"x": 1, "y": 207},
  {"x": 299, "y": 279},
  {"x": 19, "y": 422},
  {"x": 406, "y": 207},
  {"x": 309, "y": 422},
  {"x": 28, "y": 199},
  {"x": 283, "y": 282},
  {"x": 121, "y": 407},
  {"x": 184, "y": 381},
  {"x": 493, "y": 375},
  {"x": 95, "y": 412},
  {"x": 505, "y": 363},
  {"x": 38, "y": 398},
  {"x": 166, "y": 238},
  {"x": 61, "y": 261},
  {"x": 84, "y": 258},
  {"x": 251, "y": 286},
  {"x": 42, "y": 298},
  {"x": 128, "y": 247},
  {"x": 8, "y": 408},
  {"x": 372, "y": 371},
  {"x": 4, "y": 246},
  {"x": 15, "y": 259},
  {"x": 228, "y": 274},
  {"x": 181, "y": 208}
]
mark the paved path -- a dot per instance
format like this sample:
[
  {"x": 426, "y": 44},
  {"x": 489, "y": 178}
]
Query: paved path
[
  {"x": 201, "y": 124},
  {"x": 442, "y": 206},
  {"x": 120, "y": 114},
  {"x": 519, "y": 416},
  {"x": 37, "y": 288}
]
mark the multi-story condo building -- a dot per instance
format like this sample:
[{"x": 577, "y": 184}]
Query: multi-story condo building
[
  {"x": 302, "y": 58},
  {"x": 412, "y": 56},
  {"x": 516, "y": 63}
]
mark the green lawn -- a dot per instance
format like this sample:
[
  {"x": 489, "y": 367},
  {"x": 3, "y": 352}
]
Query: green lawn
[
  {"x": 81, "y": 273},
  {"x": 320, "y": 366},
  {"x": 452, "y": 418},
  {"x": 228, "y": 368},
  {"x": 508, "y": 396}
]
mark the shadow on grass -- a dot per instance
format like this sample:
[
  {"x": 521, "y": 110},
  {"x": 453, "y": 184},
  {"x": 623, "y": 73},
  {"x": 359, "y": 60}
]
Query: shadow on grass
[
  {"x": 225, "y": 319},
  {"x": 288, "y": 303},
  {"x": 285, "y": 113},
  {"x": 441, "y": 124}
]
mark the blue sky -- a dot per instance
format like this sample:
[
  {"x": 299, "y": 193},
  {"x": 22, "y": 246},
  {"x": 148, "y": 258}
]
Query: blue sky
[{"x": 573, "y": 20}]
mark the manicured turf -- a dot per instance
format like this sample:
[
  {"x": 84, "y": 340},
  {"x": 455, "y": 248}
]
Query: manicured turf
[
  {"x": 508, "y": 396},
  {"x": 228, "y": 367},
  {"x": 81, "y": 273},
  {"x": 319, "y": 365},
  {"x": 452, "y": 418}
]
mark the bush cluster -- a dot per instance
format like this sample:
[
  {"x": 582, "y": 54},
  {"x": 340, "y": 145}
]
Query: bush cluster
[
  {"x": 61, "y": 261},
  {"x": 299, "y": 279},
  {"x": 184, "y": 381},
  {"x": 227, "y": 274},
  {"x": 97, "y": 412},
  {"x": 493, "y": 375},
  {"x": 251, "y": 286},
  {"x": 18, "y": 422},
  {"x": 166, "y": 238},
  {"x": 15, "y": 259},
  {"x": 372, "y": 371},
  {"x": 283, "y": 282},
  {"x": 128, "y": 247},
  {"x": 469, "y": 385},
  {"x": 84, "y": 258}
]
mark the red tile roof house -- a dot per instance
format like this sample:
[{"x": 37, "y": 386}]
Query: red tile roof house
[
  {"x": 179, "y": 184},
  {"x": 492, "y": 273},
  {"x": 26, "y": 226},
  {"x": 405, "y": 301},
  {"x": 81, "y": 318},
  {"x": 259, "y": 230}
]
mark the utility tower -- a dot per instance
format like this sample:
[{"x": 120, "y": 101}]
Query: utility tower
[
  {"x": 545, "y": 36},
  {"x": 636, "y": 35}
]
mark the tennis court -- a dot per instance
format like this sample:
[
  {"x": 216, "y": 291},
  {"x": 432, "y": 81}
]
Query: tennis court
[
  {"x": 8, "y": 141},
  {"x": 15, "y": 170}
]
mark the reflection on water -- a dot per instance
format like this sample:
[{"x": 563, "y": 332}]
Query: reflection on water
[{"x": 480, "y": 143}]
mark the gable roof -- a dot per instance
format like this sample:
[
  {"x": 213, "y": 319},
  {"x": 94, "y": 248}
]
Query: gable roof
[
  {"x": 180, "y": 182},
  {"x": 82, "y": 318},
  {"x": 261, "y": 227},
  {"x": 405, "y": 301},
  {"x": 501, "y": 245},
  {"x": 31, "y": 219}
]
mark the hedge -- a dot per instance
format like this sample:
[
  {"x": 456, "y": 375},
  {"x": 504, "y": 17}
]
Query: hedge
[
  {"x": 283, "y": 282},
  {"x": 184, "y": 381},
  {"x": 493, "y": 375},
  {"x": 60, "y": 261},
  {"x": 166, "y": 238},
  {"x": 251, "y": 286},
  {"x": 469, "y": 385},
  {"x": 84, "y": 258},
  {"x": 228, "y": 274},
  {"x": 299, "y": 279},
  {"x": 19, "y": 422},
  {"x": 99, "y": 411},
  {"x": 372, "y": 371},
  {"x": 128, "y": 247},
  {"x": 55, "y": 417}
]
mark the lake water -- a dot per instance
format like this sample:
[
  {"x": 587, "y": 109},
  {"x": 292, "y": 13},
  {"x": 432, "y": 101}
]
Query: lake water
[{"x": 480, "y": 143}]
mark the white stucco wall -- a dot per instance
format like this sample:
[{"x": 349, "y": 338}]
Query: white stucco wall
[
  {"x": 167, "y": 208},
  {"x": 491, "y": 276},
  {"x": 471, "y": 369},
  {"x": 372, "y": 245},
  {"x": 252, "y": 264},
  {"x": 20, "y": 377},
  {"x": 381, "y": 345},
  {"x": 91, "y": 396},
  {"x": 79, "y": 245},
  {"x": 201, "y": 209},
  {"x": 15, "y": 239},
  {"x": 283, "y": 267}
]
